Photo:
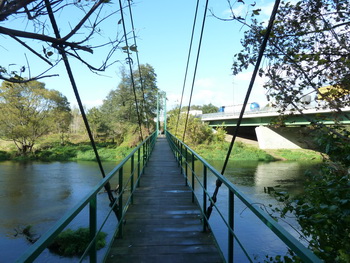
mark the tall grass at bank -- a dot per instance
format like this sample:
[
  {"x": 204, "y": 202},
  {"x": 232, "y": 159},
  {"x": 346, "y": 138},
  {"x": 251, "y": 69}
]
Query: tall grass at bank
[
  {"x": 81, "y": 152},
  {"x": 218, "y": 151}
]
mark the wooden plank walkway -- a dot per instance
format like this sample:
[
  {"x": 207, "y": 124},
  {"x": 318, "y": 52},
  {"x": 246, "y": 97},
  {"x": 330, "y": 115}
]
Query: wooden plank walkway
[{"x": 163, "y": 225}]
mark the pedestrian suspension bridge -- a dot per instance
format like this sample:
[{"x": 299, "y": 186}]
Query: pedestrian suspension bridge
[
  {"x": 161, "y": 211},
  {"x": 164, "y": 201}
]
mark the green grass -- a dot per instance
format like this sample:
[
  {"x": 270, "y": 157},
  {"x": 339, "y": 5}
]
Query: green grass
[
  {"x": 297, "y": 155},
  {"x": 218, "y": 151},
  {"x": 81, "y": 152},
  {"x": 74, "y": 242}
]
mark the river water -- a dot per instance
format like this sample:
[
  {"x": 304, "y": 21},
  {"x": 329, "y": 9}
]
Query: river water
[{"x": 38, "y": 194}]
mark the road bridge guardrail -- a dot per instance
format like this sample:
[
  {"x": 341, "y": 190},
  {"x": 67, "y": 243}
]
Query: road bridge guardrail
[
  {"x": 186, "y": 158},
  {"x": 138, "y": 160}
]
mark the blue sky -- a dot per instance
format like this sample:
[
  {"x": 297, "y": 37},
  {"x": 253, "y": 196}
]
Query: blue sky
[{"x": 163, "y": 28}]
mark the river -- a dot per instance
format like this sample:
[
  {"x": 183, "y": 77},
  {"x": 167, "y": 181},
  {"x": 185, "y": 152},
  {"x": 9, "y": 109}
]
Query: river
[{"x": 38, "y": 194}]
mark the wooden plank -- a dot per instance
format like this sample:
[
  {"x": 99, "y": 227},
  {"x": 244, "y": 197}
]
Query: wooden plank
[{"x": 163, "y": 225}]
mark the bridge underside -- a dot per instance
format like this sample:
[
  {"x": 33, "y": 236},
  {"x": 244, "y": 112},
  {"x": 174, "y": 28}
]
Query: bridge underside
[
  {"x": 294, "y": 134},
  {"x": 290, "y": 120},
  {"x": 276, "y": 138}
]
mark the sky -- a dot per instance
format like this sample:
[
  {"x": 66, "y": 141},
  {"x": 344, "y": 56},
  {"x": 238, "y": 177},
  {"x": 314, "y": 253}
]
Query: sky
[{"x": 163, "y": 29}]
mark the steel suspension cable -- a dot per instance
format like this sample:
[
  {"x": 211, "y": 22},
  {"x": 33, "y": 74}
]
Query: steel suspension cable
[
  {"x": 196, "y": 65},
  {"x": 81, "y": 108},
  {"x": 138, "y": 63},
  {"x": 188, "y": 61},
  {"x": 250, "y": 87},
  {"x": 129, "y": 61}
]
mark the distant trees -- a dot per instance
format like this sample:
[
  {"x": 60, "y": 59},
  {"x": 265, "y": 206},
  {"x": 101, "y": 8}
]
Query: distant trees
[
  {"x": 196, "y": 132},
  {"x": 118, "y": 111},
  {"x": 29, "y": 111},
  {"x": 206, "y": 108},
  {"x": 209, "y": 108}
]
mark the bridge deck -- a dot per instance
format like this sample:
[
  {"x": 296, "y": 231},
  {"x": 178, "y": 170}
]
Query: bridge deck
[{"x": 163, "y": 225}]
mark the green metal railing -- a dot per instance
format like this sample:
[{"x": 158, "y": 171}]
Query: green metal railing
[
  {"x": 141, "y": 153},
  {"x": 186, "y": 157}
]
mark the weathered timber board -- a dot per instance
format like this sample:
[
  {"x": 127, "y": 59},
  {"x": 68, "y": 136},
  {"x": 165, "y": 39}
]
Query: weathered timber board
[{"x": 163, "y": 225}]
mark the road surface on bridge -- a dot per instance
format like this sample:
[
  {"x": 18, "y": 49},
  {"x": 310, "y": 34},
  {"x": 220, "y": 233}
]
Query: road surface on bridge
[{"x": 163, "y": 225}]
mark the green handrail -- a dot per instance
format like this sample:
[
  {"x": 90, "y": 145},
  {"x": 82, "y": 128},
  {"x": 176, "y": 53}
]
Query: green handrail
[
  {"x": 181, "y": 151},
  {"x": 91, "y": 199}
]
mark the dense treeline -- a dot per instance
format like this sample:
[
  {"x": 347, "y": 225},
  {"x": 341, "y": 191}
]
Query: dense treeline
[{"x": 32, "y": 113}]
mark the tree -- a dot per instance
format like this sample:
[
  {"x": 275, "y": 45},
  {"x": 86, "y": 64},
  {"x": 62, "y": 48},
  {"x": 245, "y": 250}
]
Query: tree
[
  {"x": 78, "y": 30},
  {"x": 119, "y": 107},
  {"x": 29, "y": 112},
  {"x": 61, "y": 114},
  {"x": 209, "y": 108},
  {"x": 94, "y": 116},
  {"x": 308, "y": 50},
  {"x": 197, "y": 132}
]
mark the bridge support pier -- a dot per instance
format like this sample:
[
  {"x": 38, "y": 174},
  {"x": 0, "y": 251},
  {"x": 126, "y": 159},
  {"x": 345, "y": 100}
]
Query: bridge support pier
[{"x": 283, "y": 138}]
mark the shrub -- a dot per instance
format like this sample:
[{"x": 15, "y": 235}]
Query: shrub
[{"x": 74, "y": 242}]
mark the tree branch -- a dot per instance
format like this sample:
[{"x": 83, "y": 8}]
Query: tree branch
[{"x": 54, "y": 41}]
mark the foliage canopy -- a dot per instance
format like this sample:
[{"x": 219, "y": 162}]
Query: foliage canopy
[{"x": 30, "y": 111}]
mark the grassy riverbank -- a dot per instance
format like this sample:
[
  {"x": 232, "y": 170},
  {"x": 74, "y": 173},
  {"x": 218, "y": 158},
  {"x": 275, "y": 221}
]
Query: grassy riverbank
[
  {"x": 71, "y": 152},
  {"x": 49, "y": 150},
  {"x": 242, "y": 151},
  {"x": 79, "y": 148}
]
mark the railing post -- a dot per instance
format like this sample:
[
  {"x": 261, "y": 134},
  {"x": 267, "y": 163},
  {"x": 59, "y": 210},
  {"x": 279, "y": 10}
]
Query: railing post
[
  {"x": 205, "y": 183},
  {"x": 132, "y": 179},
  {"x": 93, "y": 228},
  {"x": 143, "y": 157},
  {"x": 179, "y": 160},
  {"x": 192, "y": 178},
  {"x": 146, "y": 154},
  {"x": 231, "y": 207},
  {"x": 138, "y": 167},
  {"x": 186, "y": 166},
  {"x": 120, "y": 199}
]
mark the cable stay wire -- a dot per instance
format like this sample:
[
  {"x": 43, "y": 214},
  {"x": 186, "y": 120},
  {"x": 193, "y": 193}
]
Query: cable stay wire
[
  {"x": 129, "y": 62},
  {"x": 138, "y": 64},
  {"x": 62, "y": 51},
  {"x": 250, "y": 87},
  {"x": 196, "y": 65},
  {"x": 188, "y": 61}
]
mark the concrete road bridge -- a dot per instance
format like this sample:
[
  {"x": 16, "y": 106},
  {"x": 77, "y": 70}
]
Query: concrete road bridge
[{"x": 294, "y": 134}]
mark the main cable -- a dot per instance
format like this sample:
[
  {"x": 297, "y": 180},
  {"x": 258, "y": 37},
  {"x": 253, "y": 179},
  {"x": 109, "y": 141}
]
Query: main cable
[
  {"x": 250, "y": 87},
  {"x": 129, "y": 61},
  {"x": 196, "y": 65},
  {"x": 188, "y": 61},
  {"x": 107, "y": 186},
  {"x": 138, "y": 64}
]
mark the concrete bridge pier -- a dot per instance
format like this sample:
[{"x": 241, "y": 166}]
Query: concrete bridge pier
[{"x": 284, "y": 137}]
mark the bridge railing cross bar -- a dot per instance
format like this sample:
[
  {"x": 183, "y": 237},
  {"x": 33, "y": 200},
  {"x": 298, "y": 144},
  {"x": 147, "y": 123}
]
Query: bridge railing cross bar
[{"x": 180, "y": 151}]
